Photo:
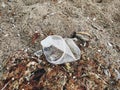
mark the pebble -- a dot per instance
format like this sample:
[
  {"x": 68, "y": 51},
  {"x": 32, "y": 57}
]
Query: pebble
[
  {"x": 99, "y": 50},
  {"x": 74, "y": 77},
  {"x": 6, "y": 35},
  {"x": 118, "y": 75},
  {"x": 94, "y": 19},
  {"x": 3, "y": 5},
  {"x": 109, "y": 44},
  {"x": 13, "y": 79}
]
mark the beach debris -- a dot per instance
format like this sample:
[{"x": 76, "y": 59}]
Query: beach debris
[
  {"x": 38, "y": 53},
  {"x": 82, "y": 37},
  {"x": 58, "y": 50}
]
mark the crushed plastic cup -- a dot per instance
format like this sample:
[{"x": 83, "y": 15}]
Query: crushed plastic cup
[{"x": 58, "y": 50}]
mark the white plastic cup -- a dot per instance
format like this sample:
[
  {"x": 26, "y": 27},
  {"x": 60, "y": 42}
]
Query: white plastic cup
[{"x": 58, "y": 50}]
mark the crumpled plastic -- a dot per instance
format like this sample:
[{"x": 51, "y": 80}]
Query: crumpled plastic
[{"x": 58, "y": 50}]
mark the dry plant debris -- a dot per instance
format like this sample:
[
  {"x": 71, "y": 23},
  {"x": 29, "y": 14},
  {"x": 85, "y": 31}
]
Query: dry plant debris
[{"x": 24, "y": 71}]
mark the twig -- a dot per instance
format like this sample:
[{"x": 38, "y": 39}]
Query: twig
[{"x": 5, "y": 86}]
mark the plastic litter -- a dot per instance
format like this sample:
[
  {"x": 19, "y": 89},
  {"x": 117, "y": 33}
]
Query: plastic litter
[
  {"x": 58, "y": 50},
  {"x": 38, "y": 53}
]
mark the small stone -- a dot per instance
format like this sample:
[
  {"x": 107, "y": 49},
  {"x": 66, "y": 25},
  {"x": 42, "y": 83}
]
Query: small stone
[
  {"x": 74, "y": 77},
  {"x": 13, "y": 79},
  {"x": 18, "y": 35},
  {"x": 94, "y": 19},
  {"x": 109, "y": 44},
  {"x": 3, "y": 5},
  {"x": 99, "y": 50},
  {"x": 118, "y": 75},
  {"x": 6, "y": 35},
  {"x": 0, "y": 29}
]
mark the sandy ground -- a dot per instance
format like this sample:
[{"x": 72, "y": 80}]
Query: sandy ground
[{"x": 21, "y": 19}]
